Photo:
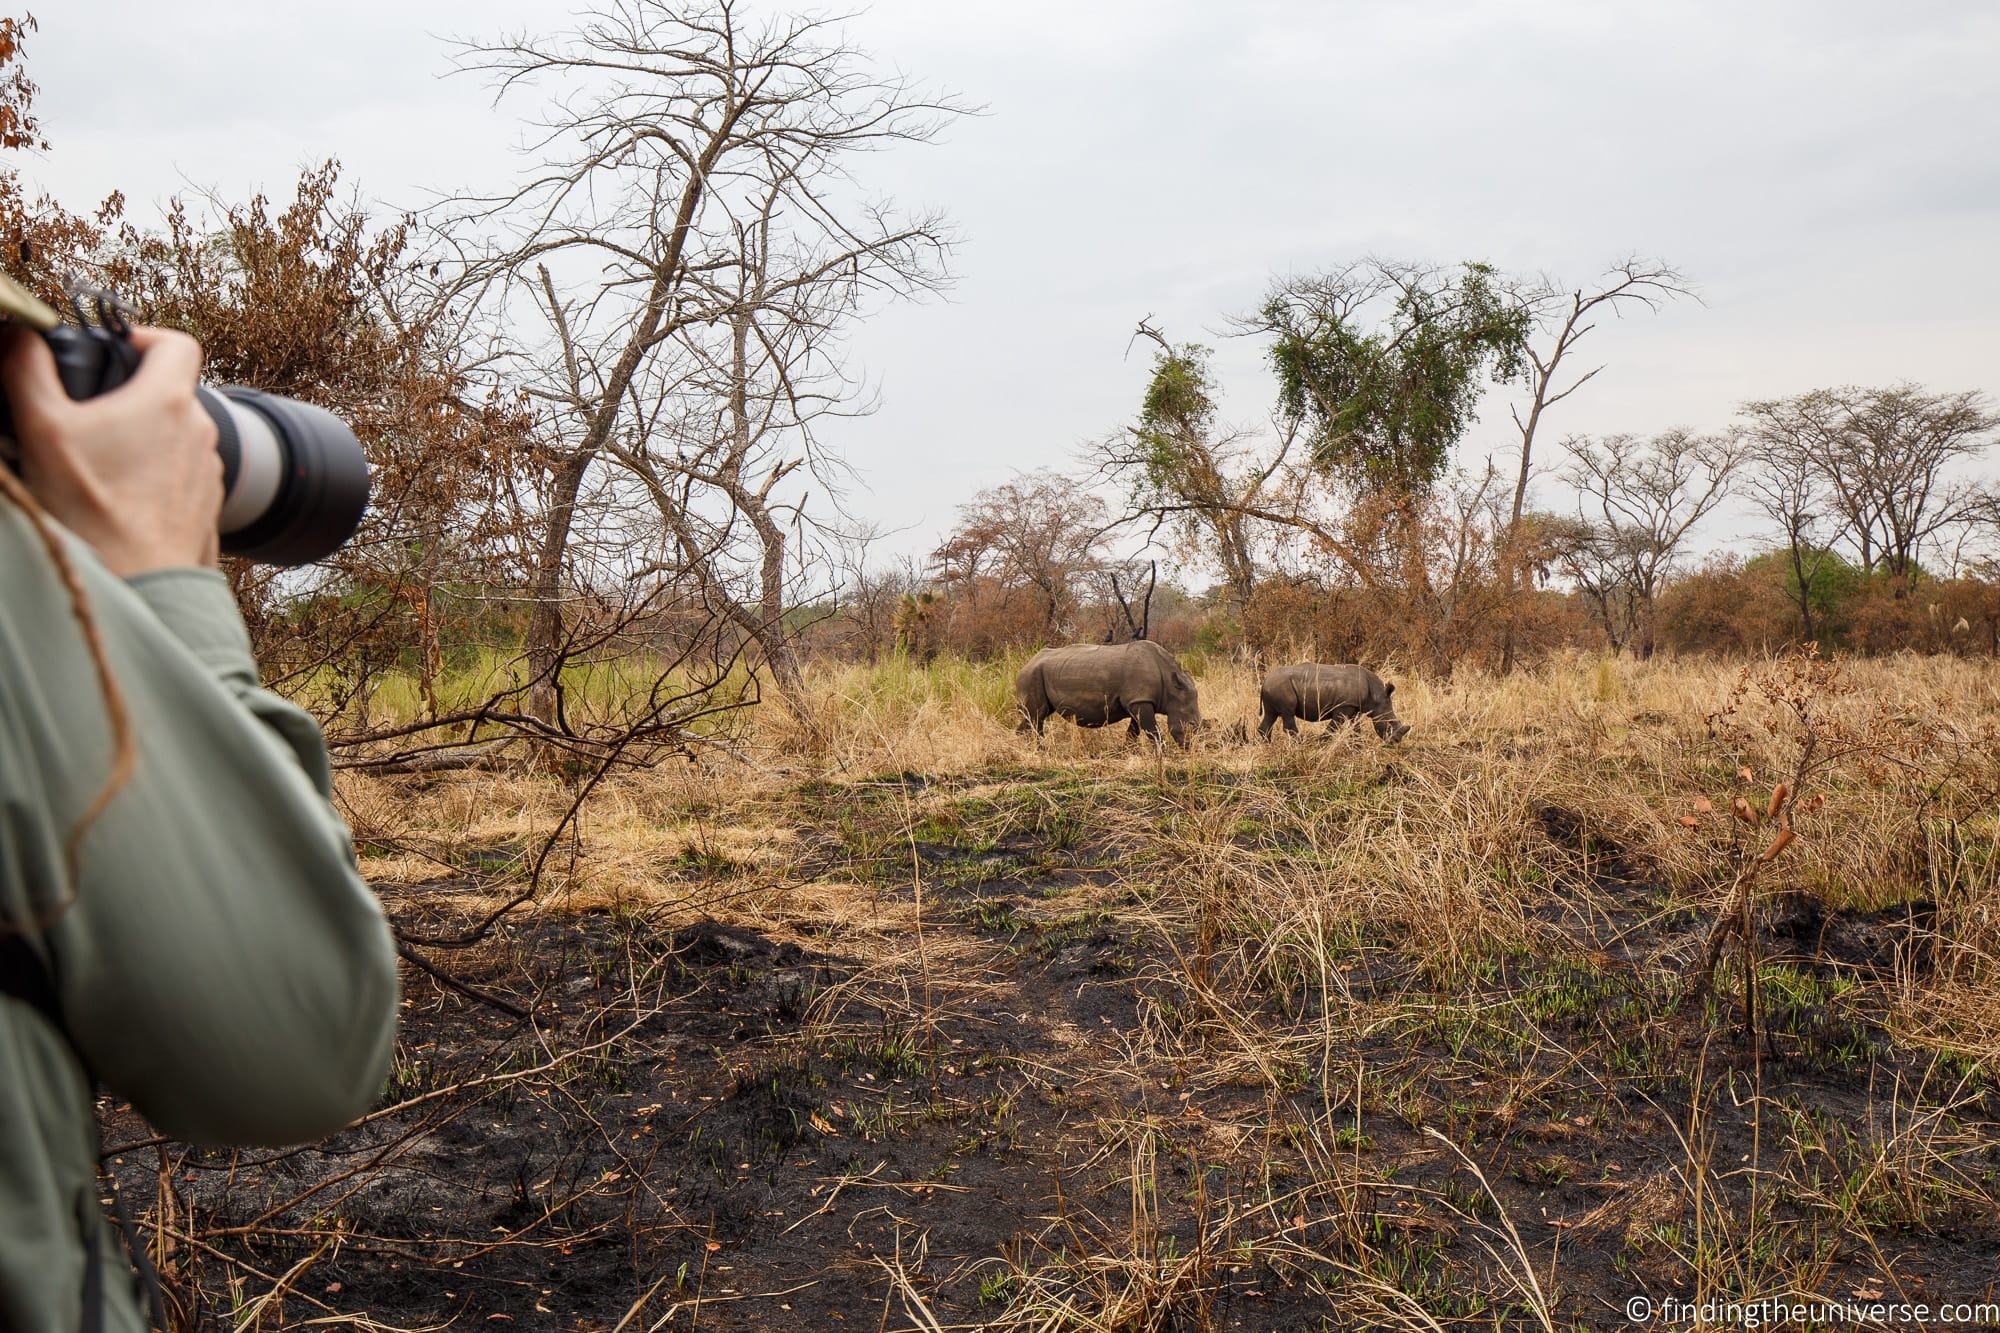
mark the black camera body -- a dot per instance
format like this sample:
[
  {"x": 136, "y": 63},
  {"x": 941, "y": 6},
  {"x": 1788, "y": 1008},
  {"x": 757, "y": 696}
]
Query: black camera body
[{"x": 295, "y": 481}]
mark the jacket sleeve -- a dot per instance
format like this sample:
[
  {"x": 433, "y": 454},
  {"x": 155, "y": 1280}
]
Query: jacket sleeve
[{"x": 224, "y": 967}]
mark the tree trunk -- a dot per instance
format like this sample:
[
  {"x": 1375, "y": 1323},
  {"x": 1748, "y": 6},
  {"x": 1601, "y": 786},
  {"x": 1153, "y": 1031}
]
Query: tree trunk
[
  {"x": 1510, "y": 575},
  {"x": 545, "y": 621},
  {"x": 1805, "y": 590},
  {"x": 1511, "y": 550},
  {"x": 775, "y": 636}
]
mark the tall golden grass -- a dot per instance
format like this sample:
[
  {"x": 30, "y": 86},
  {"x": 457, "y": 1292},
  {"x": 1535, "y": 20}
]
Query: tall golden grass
[
  {"x": 1624, "y": 746},
  {"x": 1489, "y": 861}
]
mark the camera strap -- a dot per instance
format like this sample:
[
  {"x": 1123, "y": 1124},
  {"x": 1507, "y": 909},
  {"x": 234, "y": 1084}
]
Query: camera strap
[{"x": 25, "y": 977}]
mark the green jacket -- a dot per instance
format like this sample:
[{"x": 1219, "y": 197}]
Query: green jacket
[{"x": 222, "y": 965}]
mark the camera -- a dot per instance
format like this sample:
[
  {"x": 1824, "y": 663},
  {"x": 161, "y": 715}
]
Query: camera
[{"x": 295, "y": 482}]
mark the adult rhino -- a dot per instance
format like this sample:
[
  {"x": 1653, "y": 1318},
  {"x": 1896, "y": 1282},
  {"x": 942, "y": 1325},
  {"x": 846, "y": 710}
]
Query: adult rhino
[
  {"x": 1095, "y": 685},
  {"x": 1315, "y": 692}
]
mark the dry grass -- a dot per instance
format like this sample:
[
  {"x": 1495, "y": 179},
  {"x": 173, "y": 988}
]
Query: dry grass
[
  {"x": 1623, "y": 745},
  {"x": 1388, "y": 974}
]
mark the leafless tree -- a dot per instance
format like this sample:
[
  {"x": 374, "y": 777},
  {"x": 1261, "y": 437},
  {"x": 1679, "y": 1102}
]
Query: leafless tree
[
  {"x": 732, "y": 478},
  {"x": 682, "y": 259},
  {"x": 1138, "y": 626},
  {"x": 1037, "y": 535},
  {"x": 1592, "y": 556},
  {"x": 1563, "y": 317},
  {"x": 870, "y": 593},
  {"x": 1647, "y": 495}
]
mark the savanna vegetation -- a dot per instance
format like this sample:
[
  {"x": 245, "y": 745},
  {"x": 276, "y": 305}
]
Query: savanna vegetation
[{"x": 761, "y": 974}]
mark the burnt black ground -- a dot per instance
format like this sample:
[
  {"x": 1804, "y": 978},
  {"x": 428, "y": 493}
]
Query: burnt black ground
[{"x": 688, "y": 1122}]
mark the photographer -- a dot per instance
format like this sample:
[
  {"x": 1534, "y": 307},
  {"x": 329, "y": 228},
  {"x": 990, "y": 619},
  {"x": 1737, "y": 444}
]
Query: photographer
[{"x": 180, "y": 914}]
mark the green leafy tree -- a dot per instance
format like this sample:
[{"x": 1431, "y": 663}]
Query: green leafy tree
[
  {"x": 1188, "y": 474},
  {"x": 1817, "y": 579},
  {"x": 1383, "y": 364}
]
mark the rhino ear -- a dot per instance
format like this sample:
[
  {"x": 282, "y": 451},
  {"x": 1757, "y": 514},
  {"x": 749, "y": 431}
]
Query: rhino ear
[{"x": 1390, "y": 688}]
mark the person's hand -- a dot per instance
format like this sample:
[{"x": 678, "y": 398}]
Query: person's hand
[{"x": 132, "y": 472}]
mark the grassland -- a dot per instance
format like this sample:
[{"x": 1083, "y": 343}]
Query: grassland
[{"x": 891, "y": 1018}]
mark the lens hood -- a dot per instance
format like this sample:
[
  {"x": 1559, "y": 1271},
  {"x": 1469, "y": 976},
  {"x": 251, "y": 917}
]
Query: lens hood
[{"x": 322, "y": 486}]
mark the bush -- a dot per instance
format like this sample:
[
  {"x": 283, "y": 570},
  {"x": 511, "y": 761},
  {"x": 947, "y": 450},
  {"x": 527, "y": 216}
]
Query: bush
[
  {"x": 1835, "y": 581},
  {"x": 1729, "y": 606}
]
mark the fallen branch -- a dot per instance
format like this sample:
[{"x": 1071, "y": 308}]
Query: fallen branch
[
  {"x": 445, "y": 978},
  {"x": 458, "y": 758}
]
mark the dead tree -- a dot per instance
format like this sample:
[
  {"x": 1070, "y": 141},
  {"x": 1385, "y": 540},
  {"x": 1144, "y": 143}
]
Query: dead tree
[
  {"x": 1141, "y": 626},
  {"x": 689, "y": 230},
  {"x": 1564, "y": 317}
]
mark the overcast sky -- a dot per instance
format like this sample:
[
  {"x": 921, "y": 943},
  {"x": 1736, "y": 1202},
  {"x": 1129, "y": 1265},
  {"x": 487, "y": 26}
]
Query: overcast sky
[{"x": 1825, "y": 171}]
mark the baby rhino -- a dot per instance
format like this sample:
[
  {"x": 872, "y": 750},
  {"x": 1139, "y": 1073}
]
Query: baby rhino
[{"x": 1336, "y": 694}]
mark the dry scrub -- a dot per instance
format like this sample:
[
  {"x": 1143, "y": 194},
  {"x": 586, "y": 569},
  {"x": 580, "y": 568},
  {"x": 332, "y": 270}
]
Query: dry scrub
[{"x": 894, "y": 1019}]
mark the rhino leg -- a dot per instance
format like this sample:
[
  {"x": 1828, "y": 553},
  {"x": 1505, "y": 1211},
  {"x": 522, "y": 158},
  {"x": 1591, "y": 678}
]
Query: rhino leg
[
  {"x": 1270, "y": 719},
  {"x": 1143, "y": 719}
]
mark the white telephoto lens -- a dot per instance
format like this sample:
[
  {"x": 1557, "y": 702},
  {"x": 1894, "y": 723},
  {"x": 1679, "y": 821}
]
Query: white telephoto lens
[{"x": 260, "y": 468}]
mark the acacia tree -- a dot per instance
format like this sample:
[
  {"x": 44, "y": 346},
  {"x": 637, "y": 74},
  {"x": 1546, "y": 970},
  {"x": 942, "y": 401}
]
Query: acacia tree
[
  {"x": 1878, "y": 464},
  {"x": 1647, "y": 496},
  {"x": 1889, "y": 462},
  {"x": 1591, "y": 556},
  {"x": 693, "y": 197},
  {"x": 1383, "y": 363},
  {"x": 1784, "y": 479}
]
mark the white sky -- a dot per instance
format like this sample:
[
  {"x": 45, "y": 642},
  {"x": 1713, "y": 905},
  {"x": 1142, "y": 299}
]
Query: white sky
[{"x": 1825, "y": 170}]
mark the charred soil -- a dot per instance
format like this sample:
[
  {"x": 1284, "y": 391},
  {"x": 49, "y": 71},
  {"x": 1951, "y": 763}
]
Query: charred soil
[{"x": 1055, "y": 1048}]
